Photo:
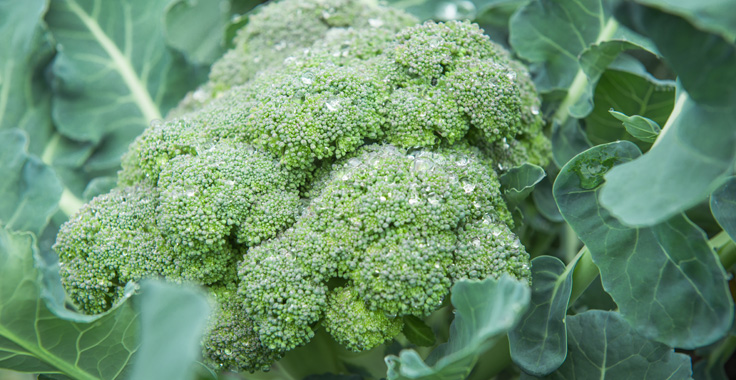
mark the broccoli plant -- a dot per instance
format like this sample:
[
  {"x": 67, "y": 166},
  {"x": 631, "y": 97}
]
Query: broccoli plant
[{"x": 360, "y": 190}]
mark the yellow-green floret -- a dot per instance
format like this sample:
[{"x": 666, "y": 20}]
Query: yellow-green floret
[{"x": 339, "y": 171}]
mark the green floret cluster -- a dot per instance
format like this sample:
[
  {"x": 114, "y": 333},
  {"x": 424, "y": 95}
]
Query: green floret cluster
[{"x": 338, "y": 172}]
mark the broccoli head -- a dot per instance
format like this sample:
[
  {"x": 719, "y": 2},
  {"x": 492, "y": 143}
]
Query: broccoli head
[{"x": 340, "y": 173}]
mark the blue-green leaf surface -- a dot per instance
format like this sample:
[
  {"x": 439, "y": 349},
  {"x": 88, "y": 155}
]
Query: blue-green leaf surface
[
  {"x": 113, "y": 73},
  {"x": 484, "y": 311},
  {"x": 197, "y": 28},
  {"x": 723, "y": 206},
  {"x": 417, "y": 332},
  {"x": 567, "y": 141},
  {"x": 25, "y": 99},
  {"x": 538, "y": 342},
  {"x": 518, "y": 182},
  {"x": 715, "y": 16},
  {"x": 30, "y": 189},
  {"x": 33, "y": 339},
  {"x": 601, "y": 345},
  {"x": 640, "y": 127},
  {"x": 169, "y": 349},
  {"x": 666, "y": 280}
]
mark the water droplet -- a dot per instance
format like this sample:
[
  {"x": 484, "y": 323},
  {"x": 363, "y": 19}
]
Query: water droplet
[
  {"x": 413, "y": 201},
  {"x": 468, "y": 187},
  {"x": 353, "y": 162},
  {"x": 535, "y": 110},
  {"x": 190, "y": 191},
  {"x": 423, "y": 164},
  {"x": 281, "y": 45},
  {"x": 455, "y": 10},
  {"x": 333, "y": 104},
  {"x": 591, "y": 171},
  {"x": 476, "y": 243},
  {"x": 433, "y": 198},
  {"x": 375, "y": 22},
  {"x": 307, "y": 78},
  {"x": 156, "y": 123},
  {"x": 462, "y": 161},
  {"x": 511, "y": 75}
]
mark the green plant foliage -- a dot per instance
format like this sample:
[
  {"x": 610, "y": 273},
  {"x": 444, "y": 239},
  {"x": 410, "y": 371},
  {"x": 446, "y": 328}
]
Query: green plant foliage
[
  {"x": 33, "y": 339},
  {"x": 113, "y": 73},
  {"x": 24, "y": 103},
  {"x": 567, "y": 141},
  {"x": 666, "y": 279},
  {"x": 603, "y": 346},
  {"x": 642, "y": 128},
  {"x": 723, "y": 206},
  {"x": 30, "y": 190},
  {"x": 418, "y": 332},
  {"x": 484, "y": 311},
  {"x": 538, "y": 343},
  {"x": 518, "y": 182}
]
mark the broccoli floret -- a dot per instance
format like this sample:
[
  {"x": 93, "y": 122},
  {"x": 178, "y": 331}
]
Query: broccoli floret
[{"x": 340, "y": 173}]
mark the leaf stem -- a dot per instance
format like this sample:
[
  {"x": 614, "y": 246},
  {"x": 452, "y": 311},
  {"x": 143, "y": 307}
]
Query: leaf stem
[
  {"x": 725, "y": 248},
  {"x": 69, "y": 203}
]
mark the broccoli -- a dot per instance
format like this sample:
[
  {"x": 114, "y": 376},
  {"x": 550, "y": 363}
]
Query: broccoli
[{"x": 340, "y": 172}]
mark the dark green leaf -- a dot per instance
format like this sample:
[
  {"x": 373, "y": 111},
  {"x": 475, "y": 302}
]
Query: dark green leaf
[
  {"x": 567, "y": 141},
  {"x": 197, "y": 28},
  {"x": 693, "y": 152},
  {"x": 632, "y": 92},
  {"x": 484, "y": 311},
  {"x": 666, "y": 280},
  {"x": 723, "y": 206},
  {"x": 705, "y": 63},
  {"x": 113, "y": 71},
  {"x": 33, "y": 339},
  {"x": 30, "y": 189},
  {"x": 418, "y": 332},
  {"x": 594, "y": 297},
  {"x": 603, "y": 346},
  {"x": 538, "y": 342},
  {"x": 25, "y": 99},
  {"x": 519, "y": 182},
  {"x": 640, "y": 127},
  {"x": 716, "y": 16},
  {"x": 545, "y": 202},
  {"x": 173, "y": 319}
]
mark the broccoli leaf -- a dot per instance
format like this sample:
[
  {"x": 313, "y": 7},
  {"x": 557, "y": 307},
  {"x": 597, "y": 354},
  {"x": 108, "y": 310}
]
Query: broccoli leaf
[
  {"x": 716, "y": 16},
  {"x": 197, "y": 28},
  {"x": 33, "y": 339},
  {"x": 538, "y": 343},
  {"x": 519, "y": 182},
  {"x": 666, "y": 280},
  {"x": 113, "y": 73},
  {"x": 602, "y": 345},
  {"x": 25, "y": 99},
  {"x": 484, "y": 311},
  {"x": 723, "y": 206},
  {"x": 640, "y": 127},
  {"x": 695, "y": 149},
  {"x": 30, "y": 190},
  {"x": 167, "y": 346},
  {"x": 567, "y": 141},
  {"x": 418, "y": 332},
  {"x": 57, "y": 342}
]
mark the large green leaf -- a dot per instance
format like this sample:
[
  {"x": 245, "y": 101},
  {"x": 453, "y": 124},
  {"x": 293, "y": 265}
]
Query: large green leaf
[
  {"x": 666, "y": 280},
  {"x": 716, "y": 16},
  {"x": 33, "y": 339},
  {"x": 30, "y": 189},
  {"x": 519, "y": 182},
  {"x": 695, "y": 149},
  {"x": 723, "y": 206},
  {"x": 197, "y": 28},
  {"x": 113, "y": 71},
  {"x": 484, "y": 311},
  {"x": 572, "y": 42},
  {"x": 172, "y": 321},
  {"x": 631, "y": 92},
  {"x": 25, "y": 99},
  {"x": 539, "y": 342},
  {"x": 567, "y": 141},
  {"x": 603, "y": 346}
]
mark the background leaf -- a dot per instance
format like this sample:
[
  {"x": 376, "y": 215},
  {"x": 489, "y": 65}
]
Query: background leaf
[
  {"x": 417, "y": 332},
  {"x": 723, "y": 206},
  {"x": 640, "y": 127},
  {"x": 25, "y": 99},
  {"x": 538, "y": 343},
  {"x": 173, "y": 319},
  {"x": 113, "y": 73},
  {"x": 666, "y": 280},
  {"x": 30, "y": 190},
  {"x": 197, "y": 28},
  {"x": 716, "y": 16},
  {"x": 603, "y": 346},
  {"x": 33, "y": 339},
  {"x": 567, "y": 141},
  {"x": 484, "y": 310},
  {"x": 519, "y": 182}
]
